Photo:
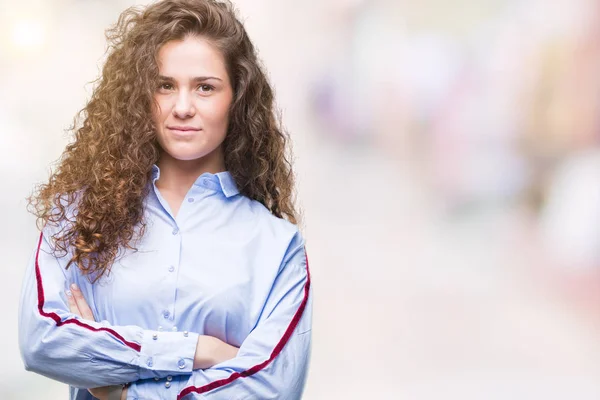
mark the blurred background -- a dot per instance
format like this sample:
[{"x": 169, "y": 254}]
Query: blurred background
[{"x": 448, "y": 159}]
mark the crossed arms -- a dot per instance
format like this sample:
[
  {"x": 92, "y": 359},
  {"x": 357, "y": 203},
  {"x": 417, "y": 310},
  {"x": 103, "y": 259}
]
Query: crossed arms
[{"x": 64, "y": 344}]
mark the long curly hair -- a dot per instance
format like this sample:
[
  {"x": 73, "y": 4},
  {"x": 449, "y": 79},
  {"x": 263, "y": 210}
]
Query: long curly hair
[{"x": 104, "y": 172}]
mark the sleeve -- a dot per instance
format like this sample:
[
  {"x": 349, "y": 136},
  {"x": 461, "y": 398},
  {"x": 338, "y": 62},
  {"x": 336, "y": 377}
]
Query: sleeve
[
  {"x": 272, "y": 362},
  {"x": 86, "y": 354}
]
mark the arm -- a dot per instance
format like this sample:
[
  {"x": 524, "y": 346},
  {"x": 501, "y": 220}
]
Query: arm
[
  {"x": 213, "y": 350},
  {"x": 79, "y": 307},
  {"x": 60, "y": 345},
  {"x": 273, "y": 360}
]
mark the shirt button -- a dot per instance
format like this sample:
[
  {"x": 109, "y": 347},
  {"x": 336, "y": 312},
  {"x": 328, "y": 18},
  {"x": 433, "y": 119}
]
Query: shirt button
[
  {"x": 154, "y": 336},
  {"x": 167, "y": 384},
  {"x": 166, "y": 314},
  {"x": 175, "y": 231},
  {"x": 181, "y": 364},
  {"x": 190, "y": 200},
  {"x": 185, "y": 333},
  {"x": 149, "y": 362},
  {"x": 169, "y": 378},
  {"x": 171, "y": 268}
]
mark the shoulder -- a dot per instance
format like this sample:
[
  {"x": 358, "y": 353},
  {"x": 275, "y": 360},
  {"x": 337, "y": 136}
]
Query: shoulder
[
  {"x": 272, "y": 223},
  {"x": 275, "y": 231}
]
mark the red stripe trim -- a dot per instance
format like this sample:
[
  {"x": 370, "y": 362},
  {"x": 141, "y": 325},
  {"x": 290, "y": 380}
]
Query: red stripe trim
[
  {"x": 56, "y": 317},
  {"x": 286, "y": 336}
]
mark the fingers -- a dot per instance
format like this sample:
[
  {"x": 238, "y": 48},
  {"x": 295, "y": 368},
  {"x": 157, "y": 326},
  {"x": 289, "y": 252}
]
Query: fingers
[
  {"x": 96, "y": 392},
  {"x": 104, "y": 392},
  {"x": 82, "y": 305},
  {"x": 72, "y": 304},
  {"x": 99, "y": 392}
]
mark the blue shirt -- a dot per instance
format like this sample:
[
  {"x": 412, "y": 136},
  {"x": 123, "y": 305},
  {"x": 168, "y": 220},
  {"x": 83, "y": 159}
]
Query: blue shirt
[{"x": 224, "y": 267}]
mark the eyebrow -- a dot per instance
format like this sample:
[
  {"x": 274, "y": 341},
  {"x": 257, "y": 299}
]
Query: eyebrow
[{"x": 194, "y": 79}]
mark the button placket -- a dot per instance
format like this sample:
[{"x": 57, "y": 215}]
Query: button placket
[{"x": 169, "y": 284}]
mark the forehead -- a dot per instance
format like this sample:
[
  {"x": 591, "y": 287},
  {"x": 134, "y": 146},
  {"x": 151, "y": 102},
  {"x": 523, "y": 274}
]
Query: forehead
[{"x": 191, "y": 56}]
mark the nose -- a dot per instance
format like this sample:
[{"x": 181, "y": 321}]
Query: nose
[{"x": 184, "y": 107}]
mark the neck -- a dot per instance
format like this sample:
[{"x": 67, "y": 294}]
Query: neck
[{"x": 179, "y": 175}]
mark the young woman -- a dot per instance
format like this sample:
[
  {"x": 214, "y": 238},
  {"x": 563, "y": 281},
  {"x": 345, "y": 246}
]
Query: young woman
[{"x": 169, "y": 265}]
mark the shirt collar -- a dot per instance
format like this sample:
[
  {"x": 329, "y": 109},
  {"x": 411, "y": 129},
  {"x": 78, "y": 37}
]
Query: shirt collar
[{"x": 222, "y": 181}]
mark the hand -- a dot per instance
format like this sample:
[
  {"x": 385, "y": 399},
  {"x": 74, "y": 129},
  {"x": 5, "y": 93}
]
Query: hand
[
  {"x": 80, "y": 307},
  {"x": 101, "y": 393},
  {"x": 211, "y": 351}
]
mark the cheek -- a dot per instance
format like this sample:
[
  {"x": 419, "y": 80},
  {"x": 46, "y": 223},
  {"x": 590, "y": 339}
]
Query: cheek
[
  {"x": 159, "y": 110},
  {"x": 158, "y": 118},
  {"x": 218, "y": 113}
]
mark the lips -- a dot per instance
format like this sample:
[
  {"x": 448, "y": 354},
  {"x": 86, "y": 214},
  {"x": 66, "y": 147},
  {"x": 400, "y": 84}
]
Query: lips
[
  {"x": 183, "y": 133},
  {"x": 183, "y": 128}
]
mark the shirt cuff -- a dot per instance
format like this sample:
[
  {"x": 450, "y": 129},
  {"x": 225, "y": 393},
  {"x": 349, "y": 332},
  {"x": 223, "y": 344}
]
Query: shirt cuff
[
  {"x": 135, "y": 392},
  {"x": 167, "y": 353}
]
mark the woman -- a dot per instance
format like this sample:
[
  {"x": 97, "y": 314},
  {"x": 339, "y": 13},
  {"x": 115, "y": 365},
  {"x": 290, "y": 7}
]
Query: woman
[{"x": 169, "y": 265}]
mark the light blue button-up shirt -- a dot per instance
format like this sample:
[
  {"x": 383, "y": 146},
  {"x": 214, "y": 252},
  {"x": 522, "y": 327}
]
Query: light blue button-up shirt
[{"x": 224, "y": 267}]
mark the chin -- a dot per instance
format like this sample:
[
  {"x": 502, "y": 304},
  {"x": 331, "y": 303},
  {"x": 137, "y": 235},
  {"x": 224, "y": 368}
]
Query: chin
[
  {"x": 189, "y": 151},
  {"x": 188, "y": 155}
]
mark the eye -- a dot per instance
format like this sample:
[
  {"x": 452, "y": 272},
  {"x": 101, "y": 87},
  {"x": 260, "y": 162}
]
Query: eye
[
  {"x": 206, "y": 88},
  {"x": 165, "y": 86}
]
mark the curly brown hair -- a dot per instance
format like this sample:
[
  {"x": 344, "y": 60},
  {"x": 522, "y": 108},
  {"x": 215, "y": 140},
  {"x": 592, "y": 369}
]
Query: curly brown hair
[{"x": 104, "y": 172}]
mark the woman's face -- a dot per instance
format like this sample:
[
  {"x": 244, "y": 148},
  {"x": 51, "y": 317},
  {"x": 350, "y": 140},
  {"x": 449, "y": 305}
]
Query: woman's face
[{"x": 193, "y": 97}]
